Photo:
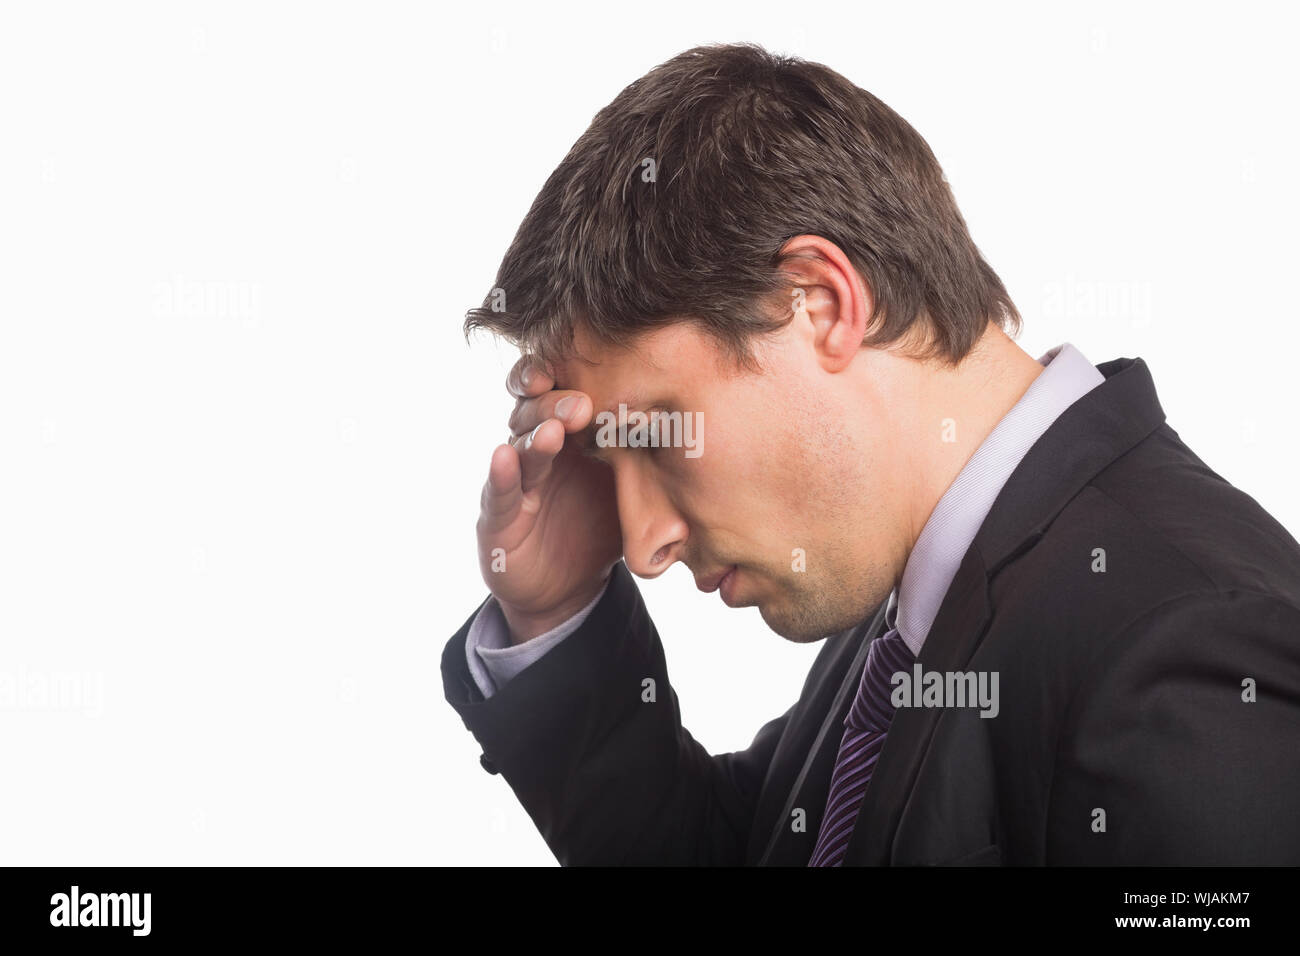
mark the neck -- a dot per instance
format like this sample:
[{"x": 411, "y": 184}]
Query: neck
[{"x": 951, "y": 411}]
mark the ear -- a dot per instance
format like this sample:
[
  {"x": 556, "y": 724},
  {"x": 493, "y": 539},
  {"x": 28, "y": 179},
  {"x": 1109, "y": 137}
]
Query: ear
[{"x": 831, "y": 301}]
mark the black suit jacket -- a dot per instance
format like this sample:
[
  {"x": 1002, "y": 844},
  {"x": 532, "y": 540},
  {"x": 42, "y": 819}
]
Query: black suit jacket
[{"x": 1121, "y": 691}]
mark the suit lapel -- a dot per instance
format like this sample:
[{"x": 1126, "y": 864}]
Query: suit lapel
[
  {"x": 1089, "y": 435},
  {"x": 952, "y": 640},
  {"x": 812, "y": 784}
]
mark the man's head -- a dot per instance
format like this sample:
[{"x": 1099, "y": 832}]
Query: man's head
[{"x": 755, "y": 240}]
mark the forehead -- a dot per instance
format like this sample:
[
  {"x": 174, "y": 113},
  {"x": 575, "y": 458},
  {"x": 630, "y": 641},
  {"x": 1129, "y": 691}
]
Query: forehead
[{"x": 665, "y": 357}]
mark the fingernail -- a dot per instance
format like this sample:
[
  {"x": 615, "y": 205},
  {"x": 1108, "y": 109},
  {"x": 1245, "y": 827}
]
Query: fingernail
[
  {"x": 531, "y": 435},
  {"x": 566, "y": 405}
]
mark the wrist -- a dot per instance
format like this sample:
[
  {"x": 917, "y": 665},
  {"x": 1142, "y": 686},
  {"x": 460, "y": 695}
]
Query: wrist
[{"x": 526, "y": 625}]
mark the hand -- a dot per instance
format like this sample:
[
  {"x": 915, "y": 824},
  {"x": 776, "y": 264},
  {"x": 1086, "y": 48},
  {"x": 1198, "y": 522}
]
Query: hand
[{"x": 548, "y": 530}]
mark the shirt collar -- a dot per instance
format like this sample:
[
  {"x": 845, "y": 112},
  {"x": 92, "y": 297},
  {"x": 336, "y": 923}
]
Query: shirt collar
[{"x": 957, "y": 516}]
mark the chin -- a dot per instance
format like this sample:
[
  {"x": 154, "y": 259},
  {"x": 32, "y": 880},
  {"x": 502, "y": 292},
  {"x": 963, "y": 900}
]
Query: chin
[
  {"x": 793, "y": 627},
  {"x": 805, "y": 622}
]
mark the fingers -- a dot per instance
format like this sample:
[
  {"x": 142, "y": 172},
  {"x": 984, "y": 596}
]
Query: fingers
[
  {"x": 517, "y": 468},
  {"x": 573, "y": 409},
  {"x": 502, "y": 493},
  {"x": 527, "y": 378},
  {"x": 537, "y": 451},
  {"x": 543, "y": 415}
]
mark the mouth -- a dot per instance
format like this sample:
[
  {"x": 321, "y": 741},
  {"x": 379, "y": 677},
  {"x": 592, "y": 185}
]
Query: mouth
[
  {"x": 714, "y": 581},
  {"x": 724, "y": 581}
]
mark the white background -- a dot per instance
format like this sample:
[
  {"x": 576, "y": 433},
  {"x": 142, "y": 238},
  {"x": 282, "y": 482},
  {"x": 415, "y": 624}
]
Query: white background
[{"x": 242, "y": 437}]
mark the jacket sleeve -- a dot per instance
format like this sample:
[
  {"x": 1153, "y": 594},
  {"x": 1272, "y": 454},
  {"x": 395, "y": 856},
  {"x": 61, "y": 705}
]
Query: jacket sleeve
[
  {"x": 1186, "y": 733},
  {"x": 493, "y": 661},
  {"x": 590, "y": 739}
]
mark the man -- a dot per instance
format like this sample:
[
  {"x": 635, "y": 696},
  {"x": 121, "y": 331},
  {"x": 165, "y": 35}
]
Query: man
[{"x": 1051, "y": 634}]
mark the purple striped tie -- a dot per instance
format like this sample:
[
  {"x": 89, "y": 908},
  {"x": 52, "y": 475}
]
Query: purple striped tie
[{"x": 864, "y": 735}]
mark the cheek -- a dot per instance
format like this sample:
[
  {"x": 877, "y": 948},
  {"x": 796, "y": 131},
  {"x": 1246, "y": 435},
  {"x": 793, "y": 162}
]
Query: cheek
[
  {"x": 734, "y": 459},
  {"x": 725, "y": 487},
  {"x": 755, "y": 480}
]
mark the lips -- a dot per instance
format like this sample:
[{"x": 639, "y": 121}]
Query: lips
[{"x": 710, "y": 584}]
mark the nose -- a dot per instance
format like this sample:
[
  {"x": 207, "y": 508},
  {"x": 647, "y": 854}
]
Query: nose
[{"x": 654, "y": 532}]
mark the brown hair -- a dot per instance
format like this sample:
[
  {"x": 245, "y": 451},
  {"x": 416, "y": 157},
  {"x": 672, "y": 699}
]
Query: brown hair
[{"x": 676, "y": 201}]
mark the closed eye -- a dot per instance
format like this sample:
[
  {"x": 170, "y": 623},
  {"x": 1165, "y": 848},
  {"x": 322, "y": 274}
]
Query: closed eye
[{"x": 657, "y": 433}]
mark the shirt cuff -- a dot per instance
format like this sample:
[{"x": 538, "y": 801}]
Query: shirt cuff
[{"x": 493, "y": 660}]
